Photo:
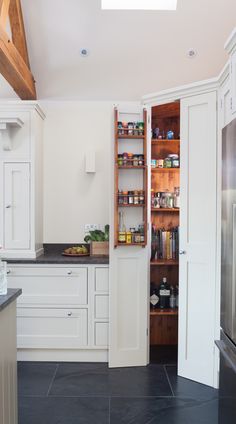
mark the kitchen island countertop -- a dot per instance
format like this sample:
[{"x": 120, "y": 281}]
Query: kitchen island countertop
[{"x": 11, "y": 295}]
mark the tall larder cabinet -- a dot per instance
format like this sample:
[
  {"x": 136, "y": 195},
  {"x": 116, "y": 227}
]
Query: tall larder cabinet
[{"x": 21, "y": 204}]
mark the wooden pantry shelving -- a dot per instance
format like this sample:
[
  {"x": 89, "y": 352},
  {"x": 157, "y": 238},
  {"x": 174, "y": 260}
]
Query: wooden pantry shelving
[
  {"x": 165, "y": 222},
  {"x": 137, "y": 138}
]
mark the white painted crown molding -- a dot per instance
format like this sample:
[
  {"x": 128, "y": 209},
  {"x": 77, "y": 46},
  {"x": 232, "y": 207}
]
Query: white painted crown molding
[
  {"x": 23, "y": 105},
  {"x": 230, "y": 44}
]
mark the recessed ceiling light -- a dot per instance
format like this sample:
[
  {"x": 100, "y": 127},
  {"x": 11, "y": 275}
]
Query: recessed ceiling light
[
  {"x": 139, "y": 4},
  {"x": 84, "y": 52},
  {"x": 191, "y": 53}
]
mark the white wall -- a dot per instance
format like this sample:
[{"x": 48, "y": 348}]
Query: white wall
[{"x": 73, "y": 198}]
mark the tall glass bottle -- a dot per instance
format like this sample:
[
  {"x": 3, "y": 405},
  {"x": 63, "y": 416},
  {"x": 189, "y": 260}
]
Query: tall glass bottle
[
  {"x": 122, "y": 228},
  {"x": 164, "y": 294}
]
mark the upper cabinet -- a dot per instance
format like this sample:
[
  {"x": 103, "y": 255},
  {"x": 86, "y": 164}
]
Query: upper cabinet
[
  {"x": 21, "y": 215},
  {"x": 233, "y": 81},
  {"x": 230, "y": 47}
]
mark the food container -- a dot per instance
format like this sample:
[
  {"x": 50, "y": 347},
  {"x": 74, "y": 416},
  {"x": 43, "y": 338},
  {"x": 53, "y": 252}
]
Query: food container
[
  {"x": 131, "y": 197},
  {"x": 125, "y": 159},
  {"x": 160, "y": 163},
  {"x": 130, "y": 128},
  {"x": 135, "y": 160},
  {"x": 167, "y": 163},
  {"x": 174, "y": 160},
  {"x": 153, "y": 163},
  {"x": 130, "y": 159},
  {"x": 99, "y": 248},
  {"x": 120, "y": 160}
]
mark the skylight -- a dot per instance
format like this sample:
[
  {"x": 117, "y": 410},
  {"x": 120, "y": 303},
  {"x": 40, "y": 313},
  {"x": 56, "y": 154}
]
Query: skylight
[{"x": 139, "y": 4}]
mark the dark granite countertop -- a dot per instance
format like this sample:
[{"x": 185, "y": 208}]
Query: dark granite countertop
[
  {"x": 53, "y": 255},
  {"x": 11, "y": 295}
]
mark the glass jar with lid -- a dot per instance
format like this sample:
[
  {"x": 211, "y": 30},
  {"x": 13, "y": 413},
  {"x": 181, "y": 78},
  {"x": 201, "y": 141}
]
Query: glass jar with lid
[
  {"x": 176, "y": 197},
  {"x": 167, "y": 162}
]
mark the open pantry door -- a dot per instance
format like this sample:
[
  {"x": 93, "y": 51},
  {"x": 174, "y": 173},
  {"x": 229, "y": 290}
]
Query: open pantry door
[
  {"x": 129, "y": 289},
  {"x": 197, "y": 279}
]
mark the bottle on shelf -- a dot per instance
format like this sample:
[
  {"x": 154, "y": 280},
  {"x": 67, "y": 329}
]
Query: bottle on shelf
[
  {"x": 164, "y": 294},
  {"x": 172, "y": 297},
  {"x": 154, "y": 297},
  {"x": 122, "y": 228}
]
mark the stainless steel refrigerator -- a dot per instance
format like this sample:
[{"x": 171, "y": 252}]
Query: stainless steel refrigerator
[{"x": 227, "y": 344}]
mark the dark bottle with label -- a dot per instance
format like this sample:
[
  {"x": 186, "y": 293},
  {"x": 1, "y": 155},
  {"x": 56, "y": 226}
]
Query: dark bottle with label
[
  {"x": 154, "y": 297},
  {"x": 164, "y": 294}
]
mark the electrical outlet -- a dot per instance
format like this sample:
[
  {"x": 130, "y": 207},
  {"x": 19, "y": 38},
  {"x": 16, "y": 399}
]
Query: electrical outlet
[{"x": 87, "y": 228}]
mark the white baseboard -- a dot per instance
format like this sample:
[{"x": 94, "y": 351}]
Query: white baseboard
[{"x": 65, "y": 355}]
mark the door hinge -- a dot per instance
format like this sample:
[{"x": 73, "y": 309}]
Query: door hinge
[{"x": 147, "y": 332}]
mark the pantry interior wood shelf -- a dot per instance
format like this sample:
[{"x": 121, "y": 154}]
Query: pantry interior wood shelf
[
  {"x": 163, "y": 141},
  {"x": 164, "y": 262},
  {"x": 167, "y": 210},
  {"x": 132, "y": 137},
  {"x": 164, "y": 312},
  {"x": 154, "y": 170}
]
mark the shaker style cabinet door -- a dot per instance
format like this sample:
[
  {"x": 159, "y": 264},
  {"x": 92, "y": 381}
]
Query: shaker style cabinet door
[
  {"x": 16, "y": 206},
  {"x": 233, "y": 82},
  {"x": 197, "y": 279}
]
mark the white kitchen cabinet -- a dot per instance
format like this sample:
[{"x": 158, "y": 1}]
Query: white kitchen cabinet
[
  {"x": 52, "y": 328},
  {"x": 16, "y": 206},
  {"x": 21, "y": 214},
  {"x": 225, "y": 115},
  {"x": 233, "y": 82},
  {"x": 63, "y": 311}
]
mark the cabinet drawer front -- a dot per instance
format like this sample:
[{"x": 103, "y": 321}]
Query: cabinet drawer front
[
  {"x": 101, "y": 306},
  {"x": 50, "y": 286},
  {"x": 102, "y": 279},
  {"x": 101, "y": 334},
  {"x": 52, "y": 328}
]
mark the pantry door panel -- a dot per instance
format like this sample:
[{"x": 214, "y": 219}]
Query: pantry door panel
[
  {"x": 128, "y": 307},
  {"x": 17, "y": 205},
  {"x": 197, "y": 279}
]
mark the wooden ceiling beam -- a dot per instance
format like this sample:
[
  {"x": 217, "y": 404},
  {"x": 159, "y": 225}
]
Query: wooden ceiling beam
[
  {"x": 4, "y": 8},
  {"x": 14, "y": 69},
  {"x": 18, "y": 29}
]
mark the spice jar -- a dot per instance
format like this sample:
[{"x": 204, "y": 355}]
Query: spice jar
[
  {"x": 174, "y": 160},
  {"x": 130, "y": 128},
  {"x": 167, "y": 163},
  {"x": 125, "y": 198},
  {"x": 136, "y": 197},
  {"x": 130, "y": 159},
  {"x": 176, "y": 197},
  {"x": 137, "y": 238},
  {"x": 136, "y": 128},
  {"x": 141, "y": 197},
  {"x": 125, "y": 159},
  {"x": 141, "y": 128},
  {"x": 135, "y": 160},
  {"x": 131, "y": 197},
  {"x": 120, "y": 198},
  {"x": 160, "y": 163},
  {"x": 122, "y": 237},
  {"x": 128, "y": 237},
  {"x": 125, "y": 127},
  {"x": 120, "y": 128},
  {"x": 141, "y": 160},
  {"x": 153, "y": 163},
  {"x": 132, "y": 230},
  {"x": 120, "y": 160},
  {"x": 157, "y": 201}
]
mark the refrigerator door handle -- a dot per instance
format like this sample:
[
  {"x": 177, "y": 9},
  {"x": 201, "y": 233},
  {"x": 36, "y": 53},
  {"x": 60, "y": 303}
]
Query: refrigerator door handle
[
  {"x": 223, "y": 350},
  {"x": 234, "y": 265}
]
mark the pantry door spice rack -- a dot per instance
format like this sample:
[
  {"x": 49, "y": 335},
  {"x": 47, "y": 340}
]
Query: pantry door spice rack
[{"x": 143, "y": 168}]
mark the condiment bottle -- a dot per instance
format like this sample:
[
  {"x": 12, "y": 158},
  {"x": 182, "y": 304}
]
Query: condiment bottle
[{"x": 122, "y": 229}]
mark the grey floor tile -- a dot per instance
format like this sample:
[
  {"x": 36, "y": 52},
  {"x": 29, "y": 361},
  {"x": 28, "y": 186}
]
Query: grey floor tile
[
  {"x": 34, "y": 378},
  {"x": 183, "y": 387},
  {"x": 98, "y": 380},
  {"x": 163, "y": 411},
  {"x": 63, "y": 410}
]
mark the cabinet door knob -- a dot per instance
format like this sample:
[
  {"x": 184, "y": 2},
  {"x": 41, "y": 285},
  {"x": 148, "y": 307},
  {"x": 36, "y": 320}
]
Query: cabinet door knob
[
  {"x": 8, "y": 272},
  {"x": 8, "y": 206},
  {"x": 69, "y": 272},
  {"x": 69, "y": 314},
  {"x": 182, "y": 252}
]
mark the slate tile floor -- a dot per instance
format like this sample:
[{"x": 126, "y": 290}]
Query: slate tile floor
[{"x": 88, "y": 393}]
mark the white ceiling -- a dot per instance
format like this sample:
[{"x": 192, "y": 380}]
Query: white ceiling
[{"x": 131, "y": 53}]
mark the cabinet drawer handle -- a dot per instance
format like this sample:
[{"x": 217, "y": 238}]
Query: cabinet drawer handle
[
  {"x": 69, "y": 314},
  {"x": 69, "y": 272}
]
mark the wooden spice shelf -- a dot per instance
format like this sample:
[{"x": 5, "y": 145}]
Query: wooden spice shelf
[
  {"x": 164, "y": 312},
  {"x": 164, "y": 262},
  {"x": 131, "y": 244},
  {"x": 131, "y": 206},
  {"x": 131, "y": 167},
  {"x": 132, "y": 137},
  {"x": 154, "y": 170},
  {"x": 165, "y": 210}
]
